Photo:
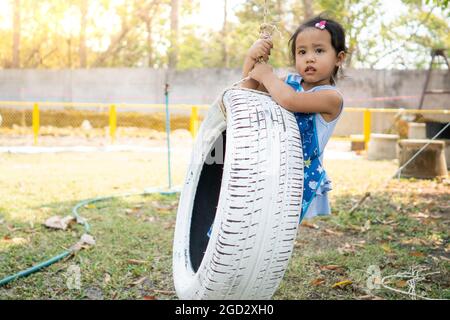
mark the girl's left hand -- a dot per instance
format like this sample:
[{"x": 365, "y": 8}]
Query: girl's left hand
[{"x": 260, "y": 71}]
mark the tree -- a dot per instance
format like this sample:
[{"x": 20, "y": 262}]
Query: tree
[
  {"x": 16, "y": 35},
  {"x": 173, "y": 51},
  {"x": 225, "y": 52},
  {"x": 411, "y": 37},
  {"x": 308, "y": 9},
  {"x": 83, "y": 24},
  {"x": 150, "y": 10}
]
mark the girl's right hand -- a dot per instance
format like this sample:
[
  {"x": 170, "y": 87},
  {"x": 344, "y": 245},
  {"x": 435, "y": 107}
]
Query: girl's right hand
[{"x": 261, "y": 48}]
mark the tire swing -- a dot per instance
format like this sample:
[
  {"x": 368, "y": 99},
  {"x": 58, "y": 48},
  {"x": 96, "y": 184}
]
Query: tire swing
[{"x": 245, "y": 179}]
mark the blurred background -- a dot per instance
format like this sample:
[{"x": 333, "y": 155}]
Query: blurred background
[
  {"x": 100, "y": 67},
  {"x": 187, "y": 34}
]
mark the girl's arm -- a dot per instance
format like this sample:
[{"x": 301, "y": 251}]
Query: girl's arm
[
  {"x": 249, "y": 63},
  {"x": 261, "y": 48},
  {"x": 325, "y": 101}
]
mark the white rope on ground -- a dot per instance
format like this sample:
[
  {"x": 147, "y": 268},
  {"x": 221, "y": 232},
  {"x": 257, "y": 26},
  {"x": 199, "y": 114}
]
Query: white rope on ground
[{"x": 415, "y": 276}]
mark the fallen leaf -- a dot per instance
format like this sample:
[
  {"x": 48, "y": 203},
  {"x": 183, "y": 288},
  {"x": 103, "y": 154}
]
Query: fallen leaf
[
  {"x": 150, "y": 219},
  {"x": 369, "y": 297},
  {"x": 164, "y": 291},
  {"x": 88, "y": 239},
  {"x": 414, "y": 241},
  {"x": 420, "y": 215},
  {"x": 309, "y": 225},
  {"x": 164, "y": 207},
  {"x": 416, "y": 254},
  {"x": 401, "y": 283},
  {"x": 57, "y": 222},
  {"x": 129, "y": 211},
  {"x": 389, "y": 222},
  {"x": 15, "y": 240},
  {"x": 436, "y": 239},
  {"x": 134, "y": 261},
  {"x": 85, "y": 242},
  {"x": 318, "y": 281},
  {"x": 353, "y": 227},
  {"x": 150, "y": 298},
  {"x": 386, "y": 247},
  {"x": 330, "y": 267},
  {"x": 12, "y": 229},
  {"x": 333, "y": 232},
  {"x": 139, "y": 281},
  {"x": 341, "y": 284},
  {"x": 347, "y": 248}
]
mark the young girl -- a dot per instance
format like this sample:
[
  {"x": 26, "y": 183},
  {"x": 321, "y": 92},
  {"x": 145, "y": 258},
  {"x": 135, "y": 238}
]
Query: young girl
[{"x": 318, "y": 51}]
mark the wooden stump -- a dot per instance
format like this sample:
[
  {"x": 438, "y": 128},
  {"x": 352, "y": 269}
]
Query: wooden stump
[
  {"x": 382, "y": 146},
  {"x": 430, "y": 163},
  {"x": 417, "y": 130},
  {"x": 447, "y": 152},
  {"x": 357, "y": 142}
]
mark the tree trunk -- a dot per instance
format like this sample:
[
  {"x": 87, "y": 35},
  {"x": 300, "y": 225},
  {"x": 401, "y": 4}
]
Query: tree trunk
[
  {"x": 226, "y": 56},
  {"x": 113, "y": 46},
  {"x": 83, "y": 55},
  {"x": 308, "y": 9},
  {"x": 16, "y": 35},
  {"x": 173, "y": 51},
  {"x": 148, "y": 24}
]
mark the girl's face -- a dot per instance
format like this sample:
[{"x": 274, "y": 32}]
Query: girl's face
[{"x": 315, "y": 57}]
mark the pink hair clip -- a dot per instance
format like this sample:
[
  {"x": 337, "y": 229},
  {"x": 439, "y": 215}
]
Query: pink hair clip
[{"x": 321, "y": 25}]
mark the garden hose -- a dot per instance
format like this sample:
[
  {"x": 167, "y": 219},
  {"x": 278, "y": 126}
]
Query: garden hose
[{"x": 87, "y": 229}]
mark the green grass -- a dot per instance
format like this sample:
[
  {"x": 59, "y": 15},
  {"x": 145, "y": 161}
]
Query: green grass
[{"x": 401, "y": 226}]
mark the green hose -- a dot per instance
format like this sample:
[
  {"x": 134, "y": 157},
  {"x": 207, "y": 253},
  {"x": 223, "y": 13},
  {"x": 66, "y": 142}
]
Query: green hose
[{"x": 87, "y": 229}]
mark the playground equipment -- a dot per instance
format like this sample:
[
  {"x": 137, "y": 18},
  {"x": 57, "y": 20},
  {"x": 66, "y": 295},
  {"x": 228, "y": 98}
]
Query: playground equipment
[
  {"x": 245, "y": 179},
  {"x": 246, "y": 175}
]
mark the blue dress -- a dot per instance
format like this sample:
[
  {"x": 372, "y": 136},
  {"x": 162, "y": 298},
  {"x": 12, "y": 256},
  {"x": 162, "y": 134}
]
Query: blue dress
[{"x": 315, "y": 132}]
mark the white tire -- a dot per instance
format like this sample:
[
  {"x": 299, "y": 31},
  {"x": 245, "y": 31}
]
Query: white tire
[{"x": 254, "y": 199}]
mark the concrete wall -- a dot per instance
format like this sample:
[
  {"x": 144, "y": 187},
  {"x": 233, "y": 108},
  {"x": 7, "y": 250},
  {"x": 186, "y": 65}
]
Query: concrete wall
[{"x": 202, "y": 87}]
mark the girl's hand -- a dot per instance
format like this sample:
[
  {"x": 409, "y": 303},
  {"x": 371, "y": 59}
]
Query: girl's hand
[
  {"x": 261, "y": 48},
  {"x": 260, "y": 71}
]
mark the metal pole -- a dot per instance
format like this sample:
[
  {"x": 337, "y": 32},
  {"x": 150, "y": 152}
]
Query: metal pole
[
  {"x": 35, "y": 120},
  {"x": 366, "y": 129},
  {"x": 112, "y": 122}
]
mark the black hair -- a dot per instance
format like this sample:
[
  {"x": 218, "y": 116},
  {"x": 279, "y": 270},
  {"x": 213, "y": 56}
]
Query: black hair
[{"x": 333, "y": 27}]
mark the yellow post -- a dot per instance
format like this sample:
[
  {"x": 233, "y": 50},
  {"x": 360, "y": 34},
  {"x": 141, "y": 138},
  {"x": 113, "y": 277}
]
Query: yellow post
[
  {"x": 112, "y": 122},
  {"x": 193, "y": 123},
  {"x": 367, "y": 124},
  {"x": 35, "y": 124}
]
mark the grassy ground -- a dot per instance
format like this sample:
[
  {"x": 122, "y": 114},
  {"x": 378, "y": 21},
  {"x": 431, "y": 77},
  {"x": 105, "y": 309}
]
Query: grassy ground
[{"x": 401, "y": 226}]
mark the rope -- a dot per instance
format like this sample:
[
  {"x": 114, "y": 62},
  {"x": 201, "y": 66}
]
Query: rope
[
  {"x": 414, "y": 277},
  {"x": 266, "y": 30}
]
